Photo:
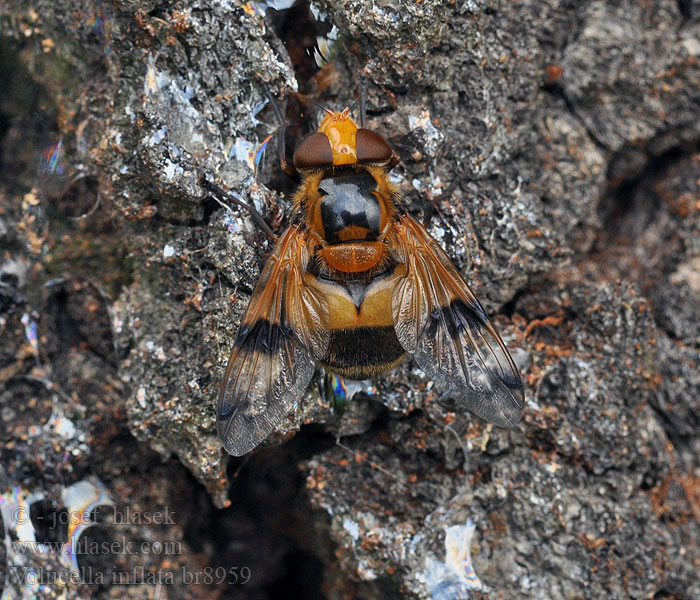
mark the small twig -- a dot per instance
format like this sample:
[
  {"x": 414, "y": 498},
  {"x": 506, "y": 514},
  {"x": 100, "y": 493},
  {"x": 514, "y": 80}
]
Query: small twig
[
  {"x": 51, "y": 386},
  {"x": 459, "y": 441}
]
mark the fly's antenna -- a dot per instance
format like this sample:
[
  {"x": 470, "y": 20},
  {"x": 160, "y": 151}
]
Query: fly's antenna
[
  {"x": 324, "y": 109},
  {"x": 362, "y": 101},
  {"x": 276, "y": 108}
]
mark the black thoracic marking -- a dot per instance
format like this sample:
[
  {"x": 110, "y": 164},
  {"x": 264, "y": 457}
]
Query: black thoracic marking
[
  {"x": 362, "y": 352},
  {"x": 263, "y": 336},
  {"x": 457, "y": 317},
  {"x": 357, "y": 290},
  {"x": 349, "y": 200}
]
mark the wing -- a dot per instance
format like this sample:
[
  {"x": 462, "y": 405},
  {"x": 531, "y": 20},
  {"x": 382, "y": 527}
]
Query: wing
[
  {"x": 284, "y": 332},
  {"x": 438, "y": 319}
]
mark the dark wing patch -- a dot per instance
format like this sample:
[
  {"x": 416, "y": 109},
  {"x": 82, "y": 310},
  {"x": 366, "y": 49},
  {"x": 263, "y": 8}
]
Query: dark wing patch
[
  {"x": 284, "y": 333},
  {"x": 439, "y": 320},
  {"x": 458, "y": 317},
  {"x": 263, "y": 336}
]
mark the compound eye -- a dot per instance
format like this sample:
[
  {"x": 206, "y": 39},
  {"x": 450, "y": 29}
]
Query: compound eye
[
  {"x": 372, "y": 147},
  {"x": 313, "y": 152}
]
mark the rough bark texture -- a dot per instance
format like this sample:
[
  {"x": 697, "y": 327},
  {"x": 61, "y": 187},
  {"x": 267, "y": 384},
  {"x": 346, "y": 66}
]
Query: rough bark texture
[{"x": 558, "y": 142}]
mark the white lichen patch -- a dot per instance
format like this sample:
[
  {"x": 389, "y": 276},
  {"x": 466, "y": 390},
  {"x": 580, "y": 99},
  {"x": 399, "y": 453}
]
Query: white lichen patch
[{"x": 455, "y": 577}]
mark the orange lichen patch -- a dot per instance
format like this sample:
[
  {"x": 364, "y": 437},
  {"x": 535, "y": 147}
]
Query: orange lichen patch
[
  {"x": 683, "y": 205},
  {"x": 316, "y": 480},
  {"x": 655, "y": 379},
  {"x": 475, "y": 430},
  {"x": 360, "y": 456},
  {"x": 691, "y": 485},
  {"x": 533, "y": 376},
  {"x": 498, "y": 523},
  {"x": 553, "y": 72},
  {"x": 194, "y": 297},
  {"x": 370, "y": 541},
  {"x": 553, "y": 351},
  {"x": 553, "y": 320},
  {"x": 677, "y": 497},
  {"x": 591, "y": 542},
  {"x": 145, "y": 212},
  {"x": 180, "y": 20}
]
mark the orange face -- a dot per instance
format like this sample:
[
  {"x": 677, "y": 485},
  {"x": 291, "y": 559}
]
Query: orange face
[
  {"x": 339, "y": 142},
  {"x": 341, "y": 132}
]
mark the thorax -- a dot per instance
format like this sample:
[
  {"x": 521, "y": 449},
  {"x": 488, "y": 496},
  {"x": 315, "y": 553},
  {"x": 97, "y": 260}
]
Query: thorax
[{"x": 348, "y": 211}]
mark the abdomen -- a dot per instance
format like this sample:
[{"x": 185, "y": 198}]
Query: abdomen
[
  {"x": 363, "y": 341},
  {"x": 363, "y": 352}
]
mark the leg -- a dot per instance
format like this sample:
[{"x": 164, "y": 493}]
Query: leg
[
  {"x": 217, "y": 190},
  {"x": 428, "y": 210},
  {"x": 285, "y": 165}
]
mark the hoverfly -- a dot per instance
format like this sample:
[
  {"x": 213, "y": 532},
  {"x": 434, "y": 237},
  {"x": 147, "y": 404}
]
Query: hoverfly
[{"x": 354, "y": 285}]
